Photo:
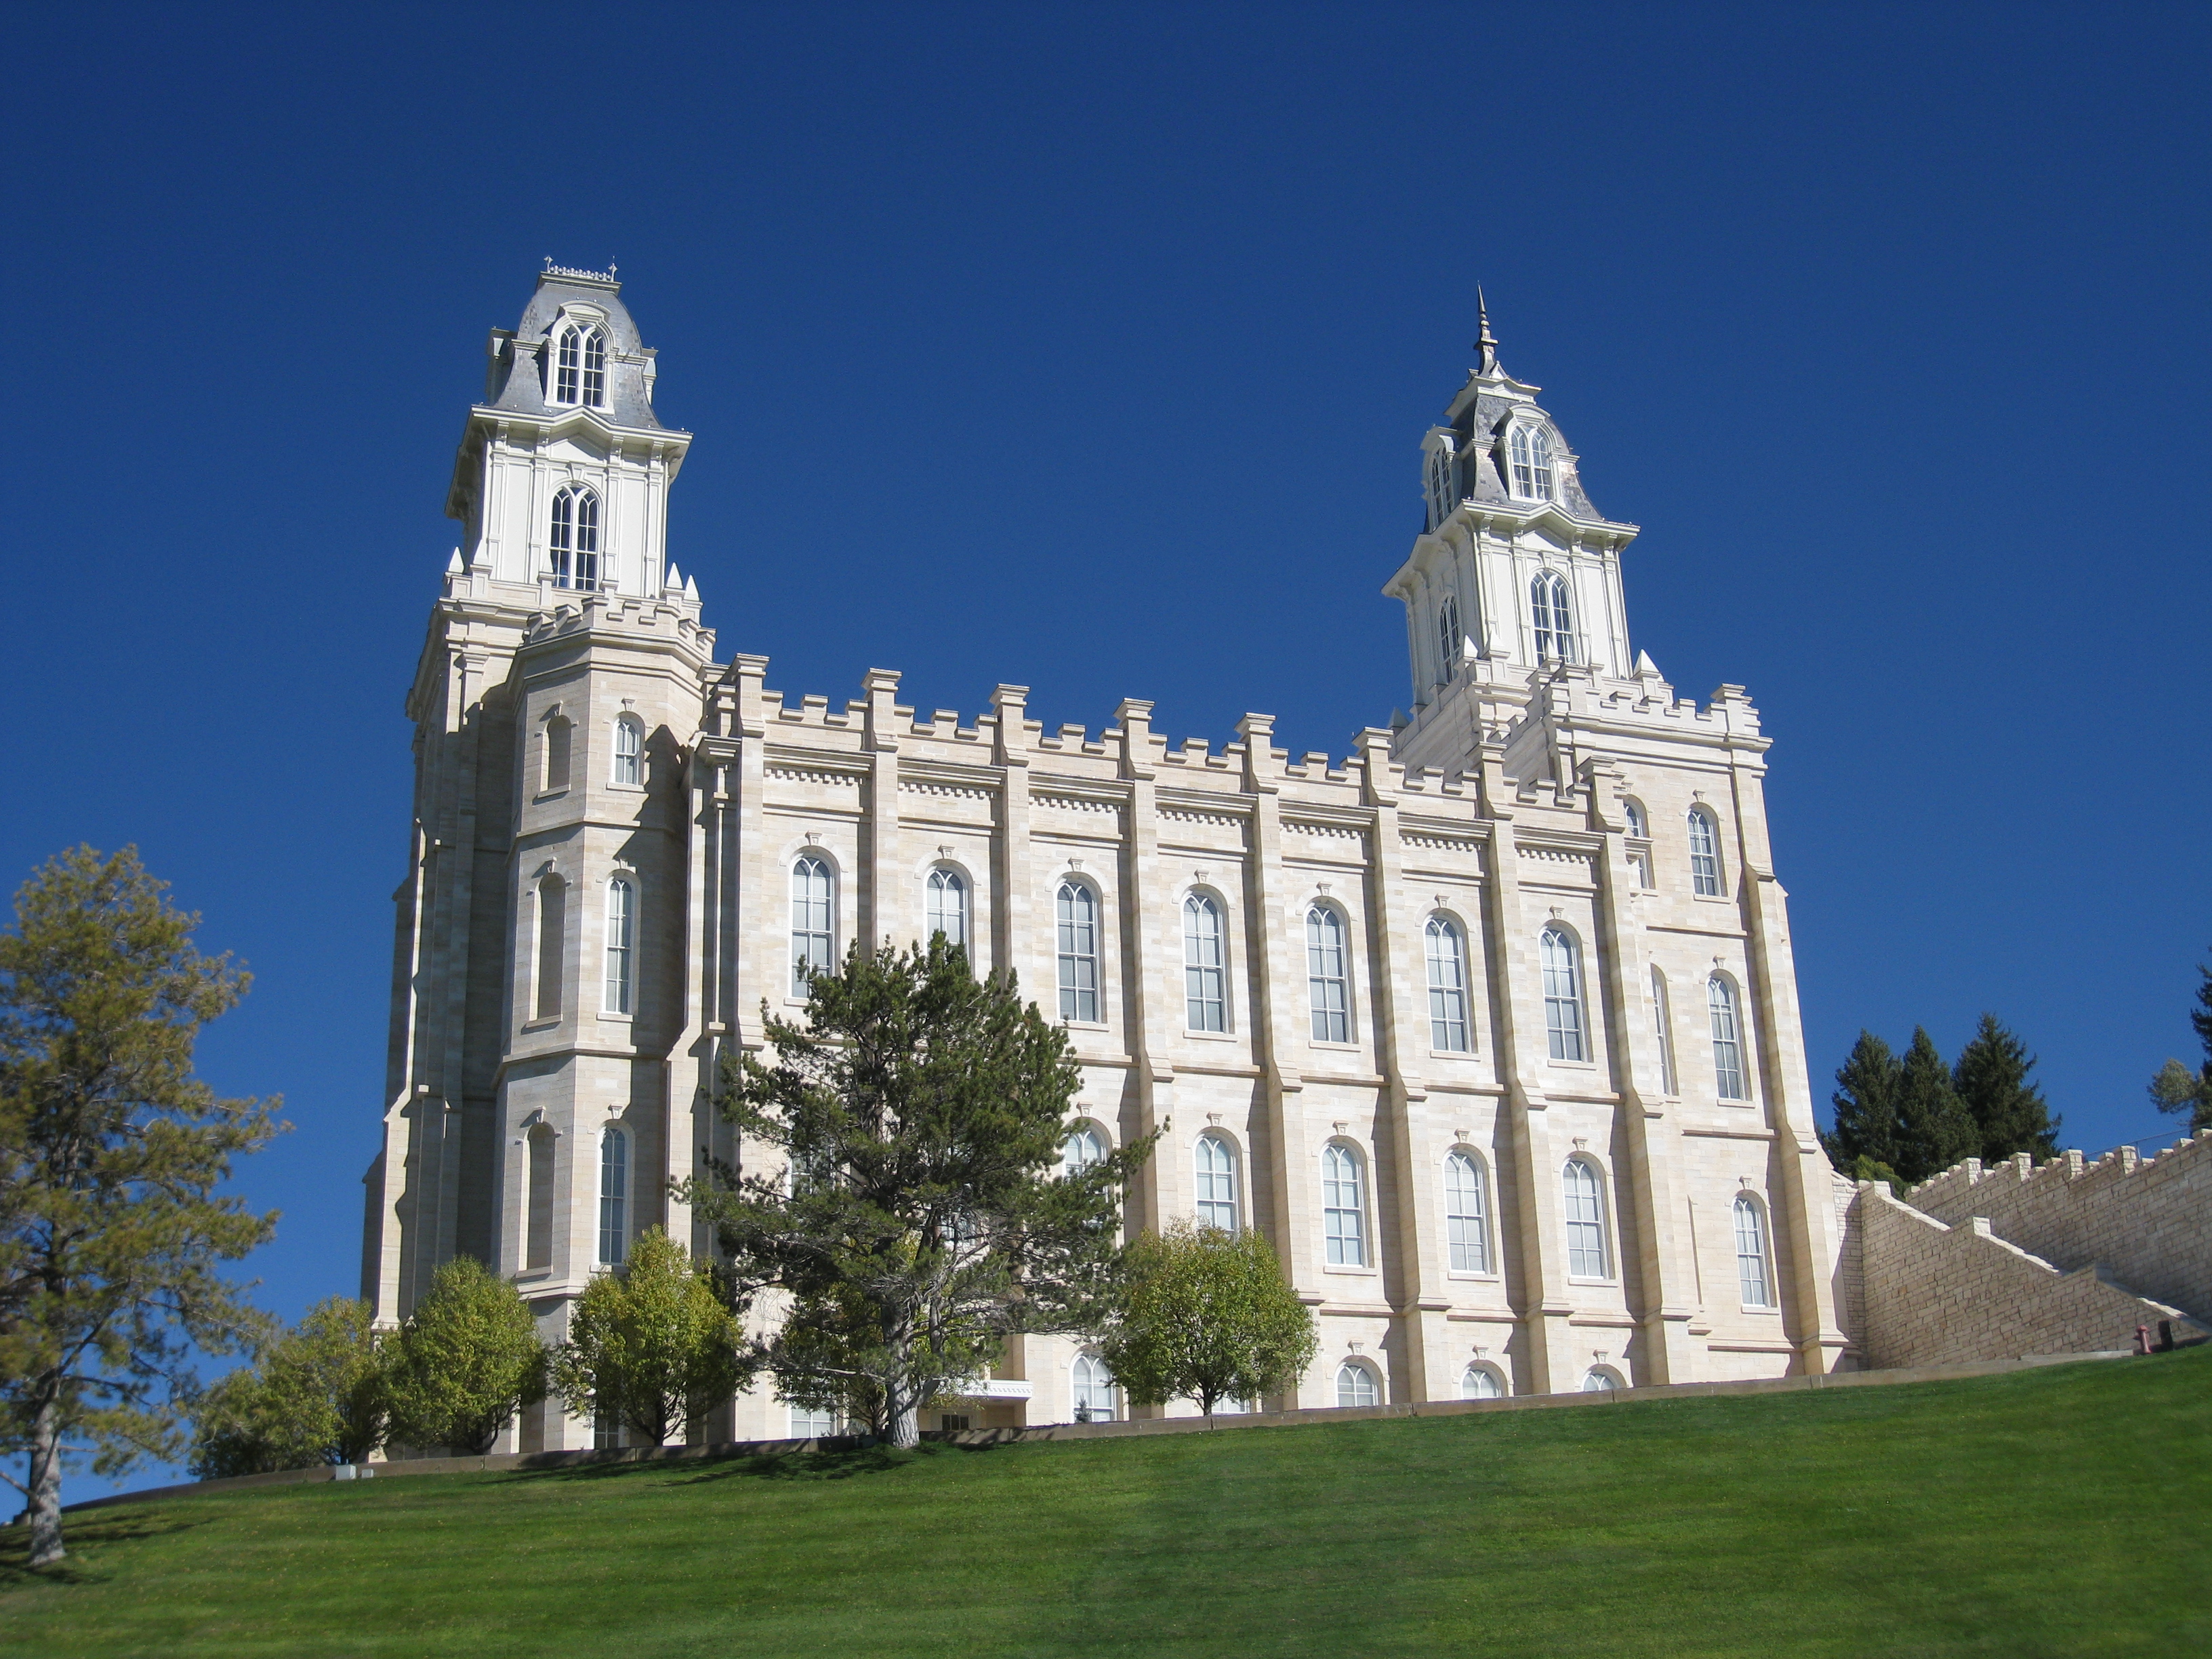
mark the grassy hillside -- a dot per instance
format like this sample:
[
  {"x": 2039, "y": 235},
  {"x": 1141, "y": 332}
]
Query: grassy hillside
[{"x": 2066, "y": 1510}]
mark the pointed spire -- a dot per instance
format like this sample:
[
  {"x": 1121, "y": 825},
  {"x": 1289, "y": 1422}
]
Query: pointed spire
[{"x": 1487, "y": 346}]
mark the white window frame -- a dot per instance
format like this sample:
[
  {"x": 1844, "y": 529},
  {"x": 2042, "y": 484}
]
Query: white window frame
[
  {"x": 1365, "y": 1387},
  {"x": 1088, "y": 1379},
  {"x": 1566, "y": 1009},
  {"x": 1328, "y": 973},
  {"x": 1078, "y": 959},
  {"x": 1552, "y": 616},
  {"x": 1450, "y": 637},
  {"x": 1343, "y": 1207},
  {"x": 814, "y": 918},
  {"x": 614, "y": 1196},
  {"x": 952, "y": 920},
  {"x": 1662, "y": 1021},
  {"x": 812, "y": 1423},
  {"x": 1731, "y": 1072},
  {"x": 1704, "y": 854},
  {"x": 628, "y": 765},
  {"x": 621, "y": 983},
  {"x": 1467, "y": 1212},
  {"x": 1638, "y": 838},
  {"x": 1601, "y": 1379},
  {"x": 1755, "y": 1256},
  {"x": 580, "y": 350},
  {"x": 1535, "y": 464},
  {"x": 1444, "y": 948},
  {"x": 1582, "y": 1210},
  {"x": 1205, "y": 963},
  {"x": 1214, "y": 1170},
  {"x": 1497, "y": 1389},
  {"x": 571, "y": 539},
  {"x": 1084, "y": 1148}
]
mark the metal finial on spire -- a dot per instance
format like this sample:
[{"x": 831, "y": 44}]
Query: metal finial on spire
[{"x": 1487, "y": 346}]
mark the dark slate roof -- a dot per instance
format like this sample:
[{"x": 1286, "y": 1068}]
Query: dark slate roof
[{"x": 522, "y": 371}]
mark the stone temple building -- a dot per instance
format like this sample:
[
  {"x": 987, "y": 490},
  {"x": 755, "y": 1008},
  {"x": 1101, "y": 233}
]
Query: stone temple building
[{"x": 1489, "y": 1025}]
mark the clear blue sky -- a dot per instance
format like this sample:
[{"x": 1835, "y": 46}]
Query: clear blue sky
[{"x": 1091, "y": 347}]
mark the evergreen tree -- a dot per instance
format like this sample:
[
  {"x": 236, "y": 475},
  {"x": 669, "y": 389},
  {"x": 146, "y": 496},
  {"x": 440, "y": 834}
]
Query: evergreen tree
[
  {"x": 2176, "y": 1088},
  {"x": 465, "y": 1362},
  {"x": 111, "y": 1152},
  {"x": 316, "y": 1395},
  {"x": 1935, "y": 1129},
  {"x": 1991, "y": 1076},
  {"x": 652, "y": 1343},
  {"x": 909, "y": 1198},
  {"x": 1207, "y": 1315},
  {"x": 1865, "y": 1100}
]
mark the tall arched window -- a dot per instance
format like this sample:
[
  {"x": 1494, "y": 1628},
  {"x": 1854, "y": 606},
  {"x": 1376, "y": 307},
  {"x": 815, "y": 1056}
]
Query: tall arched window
[
  {"x": 572, "y": 541},
  {"x": 1532, "y": 464},
  {"x": 1205, "y": 963},
  {"x": 1438, "y": 477},
  {"x": 1563, "y": 995},
  {"x": 614, "y": 1196},
  {"x": 1077, "y": 917},
  {"x": 1751, "y": 1253},
  {"x": 1217, "y": 1182},
  {"x": 1704, "y": 855},
  {"x": 552, "y": 943},
  {"x": 1727, "y": 1041},
  {"x": 1328, "y": 986},
  {"x": 1343, "y": 1210},
  {"x": 1480, "y": 1382},
  {"x": 813, "y": 925},
  {"x": 1356, "y": 1384},
  {"x": 1084, "y": 1149},
  {"x": 1467, "y": 1220},
  {"x": 622, "y": 942},
  {"x": 580, "y": 369},
  {"x": 1552, "y": 611},
  {"x": 1663, "y": 1022},
  {"x": 1447, "y": 956},
  {"x": 1585, "y": 1211},
  {"x": 630, "y": 751},
  {"x": 947, "y": 907},
  {"x": 1639, "y": 842},
  {"x": 1094, "y": 1390},
  {"x": 538, "y": 1209},
  {"x": 1450, "y": 640}
]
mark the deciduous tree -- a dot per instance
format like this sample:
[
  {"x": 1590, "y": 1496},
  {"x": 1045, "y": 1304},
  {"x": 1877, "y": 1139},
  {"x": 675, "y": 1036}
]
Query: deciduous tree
[
  {"x": 465, "y": 1361},
  {"x": 1207, "y": 1316},
  {"x": 112, "y": 1237},
  {"x": 900, "y": 1184},
  {"x": 316, "y": 1395},
  {"x": 652, "y": 1342}
]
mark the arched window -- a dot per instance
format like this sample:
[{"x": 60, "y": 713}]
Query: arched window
[
  {"x": 580, "y": 369},
  {"x": 813, "y": 903},
  {"x": 1553, "y": 613},
  {"x": 1751, "y": 1253},
  {"x": 1450, "y": 640},
  {"x": 1447, "y": 986},
  {"x": 572, "y": 541},
  {"x": 1467, "y": 1220},
  {"x": 1532, "y": 464},
  {"x": 1663, "y": 1022},
  {"x": 622, "y": 941},
  {"x": 1585, "y": 1211},
  {"x": 1094, "y": 1390},
  {"x": 1356, "y": 1385},
  {"x": 557, "y": 752},
  {"x": 1728, "y": 1043},
  {"x": 1205, "y": 962},
  {"x": 1563, "y": 995},
  {"x": 1084, "y": 1149},
  {"x": 1217, "y": 1184},
  {"x": 1600, "y": 1379},
  {"x": 1343, "y": 1211},
  {"x": 537, "y": 1240},
  {"x": 630, "y": 751},
  {"x": 1328, "y": 985},
  {"x": 1438, "y": 479},
  {"x": 947, "y": 907},
  {"x": 1078, "y": 909},
  {"x": 1639, "y": 842},
  {"x": 552, "y": 943},
  {"x": 1704, "y": 855},
  {"x": 1480, "y": 1382},
  {"x": 614, "y": 1196}
]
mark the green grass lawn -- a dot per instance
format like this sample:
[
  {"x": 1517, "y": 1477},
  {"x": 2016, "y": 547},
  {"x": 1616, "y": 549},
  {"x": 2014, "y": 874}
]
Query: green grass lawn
[{"x": 2065, "y": 1511}]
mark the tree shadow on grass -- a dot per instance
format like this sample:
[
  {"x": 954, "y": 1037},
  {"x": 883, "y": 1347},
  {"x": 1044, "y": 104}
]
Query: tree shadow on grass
[
  {"x": 831, "y": 1463},
  {"x": 121, "y": 1526}
]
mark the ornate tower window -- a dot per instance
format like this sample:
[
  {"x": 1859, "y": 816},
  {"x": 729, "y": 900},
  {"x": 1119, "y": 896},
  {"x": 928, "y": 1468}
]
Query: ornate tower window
[
  {"x": 1449, "y": 638},
  {"x": 1439, "y": 481},
  {"x": 579, "y": 374},
  {"x": 573, "y": 540},
  {"x": 1552, "y": 611},
  {"x": 1532, "y": 464}
]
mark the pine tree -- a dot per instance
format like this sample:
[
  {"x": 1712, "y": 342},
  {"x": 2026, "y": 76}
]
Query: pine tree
[
  {"x": 652, "y": 1343},
  {"x": 1935, "y": 1129},
  {"x": 1991, "y": 1078},
  {"x": 911, "y": 1201},
  {"x": 2176, "y": 1088},
  {"x": 111, "y": 1153},
  {"x": 1865, "y": 1100}
]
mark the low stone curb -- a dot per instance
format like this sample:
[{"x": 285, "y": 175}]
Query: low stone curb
[{"x": 493, "y": 1462}]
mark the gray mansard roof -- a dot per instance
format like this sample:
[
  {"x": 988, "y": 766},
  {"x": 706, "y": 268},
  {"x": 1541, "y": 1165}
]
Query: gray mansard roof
[{"x": 522, "y": 363}]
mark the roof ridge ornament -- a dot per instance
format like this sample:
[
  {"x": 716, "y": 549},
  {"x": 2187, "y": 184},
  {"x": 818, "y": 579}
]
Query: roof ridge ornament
[
  {"x": 1487, "y": 346},
  {"x": 606, "y": 276}
]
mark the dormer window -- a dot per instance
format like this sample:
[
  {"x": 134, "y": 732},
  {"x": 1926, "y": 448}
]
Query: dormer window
[
  {"x": 1532, "y": 464},
  {"x": 573, "y": 542},
  {"x": 580, "y": 369},
  {"x": 1439, "y": 486},
  {"x": 1449, "y": 637}
]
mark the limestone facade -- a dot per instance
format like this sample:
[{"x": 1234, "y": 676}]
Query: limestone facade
[{"x": 1490, "y": 1025}]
